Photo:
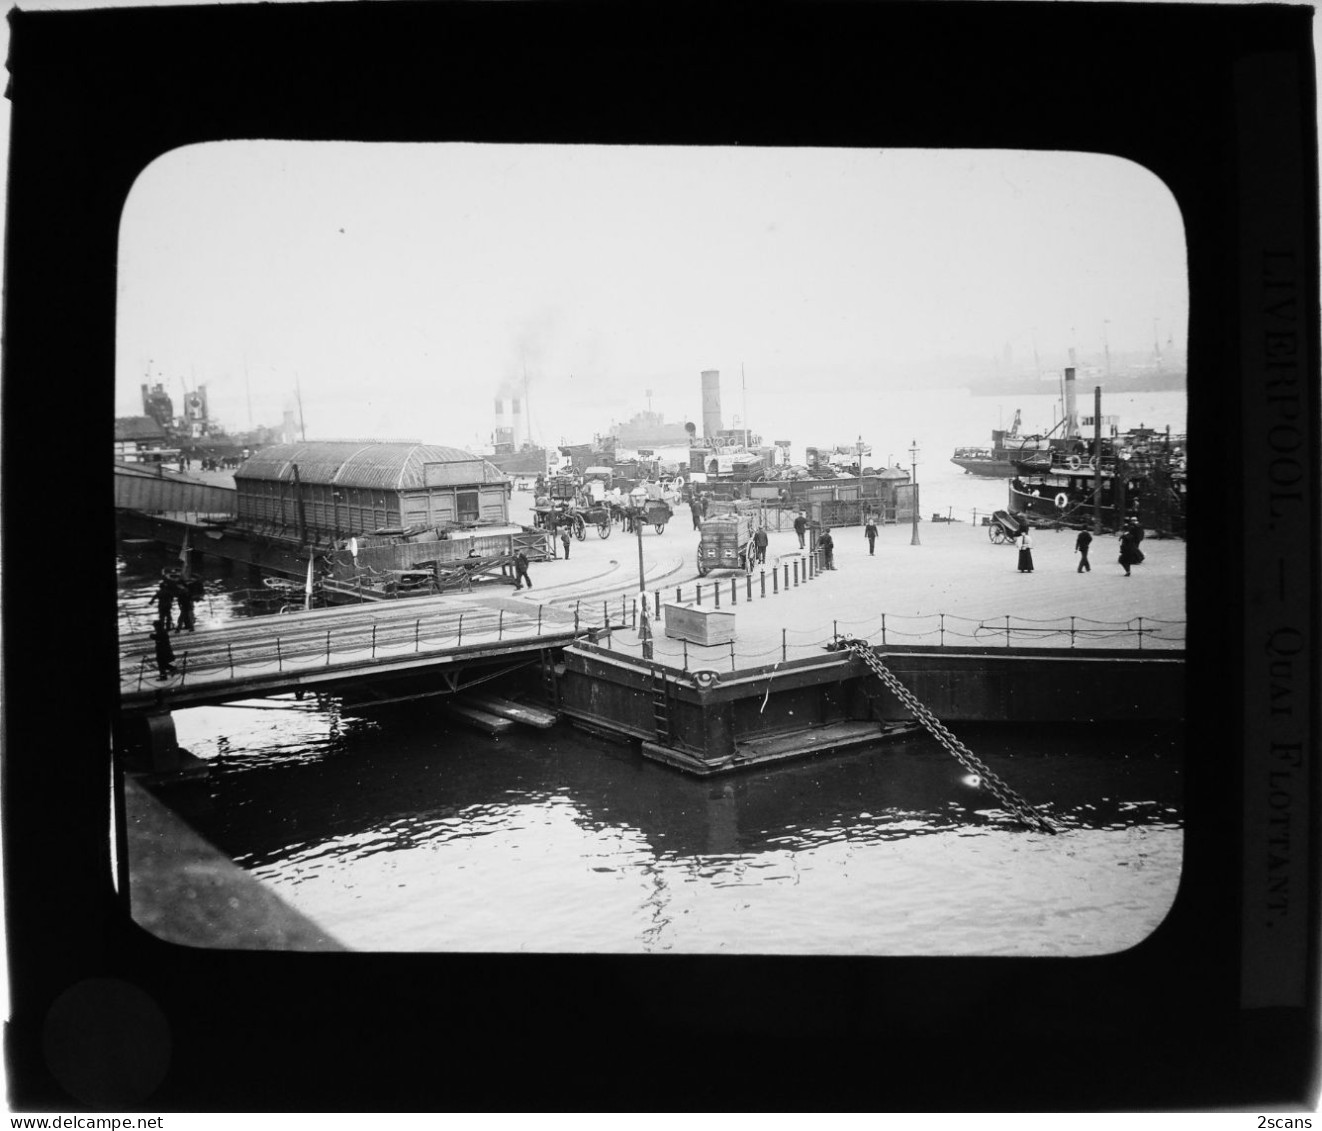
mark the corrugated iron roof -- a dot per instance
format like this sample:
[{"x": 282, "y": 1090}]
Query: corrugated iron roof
[{"x": 394, "y": 467}]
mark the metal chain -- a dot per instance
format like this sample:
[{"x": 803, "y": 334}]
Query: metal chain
[{"x": 966, "y": 758}]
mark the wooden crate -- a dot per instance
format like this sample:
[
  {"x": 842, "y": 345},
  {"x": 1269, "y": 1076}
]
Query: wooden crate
[{"x": 699, "y": 625}]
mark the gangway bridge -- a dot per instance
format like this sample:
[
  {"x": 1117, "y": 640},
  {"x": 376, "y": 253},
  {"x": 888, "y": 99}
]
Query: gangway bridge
[{"x": 368, "y": 653}]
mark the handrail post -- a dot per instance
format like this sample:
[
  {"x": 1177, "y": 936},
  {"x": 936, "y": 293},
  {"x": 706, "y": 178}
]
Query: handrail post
[
  {"x": 835, "y": 632},
  {"x": 417, "y": 635},
  {"x": 576, "y": 605},
  {"x": 943, "y": 630},
  {"x": 1007, "y": 630},
  {"x": 883, "y": 630},
  {"x": 460, "y": 641},
  {"x": 500, "y": 625},
  {"x": 784, "y": 647},
  {"x": 1071, "y": 632},
  {"x": 732, "y": 667},
  {"x": 539, "y": 620},
  {"x": 686, "y": 654},
  {"x": 229, "y": 647},
  {"x": 279, "y": 658},
  {"x": 1140, "y": 634},
  {"x": 373, "y": 644},
  {"x": 328, "y": 643}
]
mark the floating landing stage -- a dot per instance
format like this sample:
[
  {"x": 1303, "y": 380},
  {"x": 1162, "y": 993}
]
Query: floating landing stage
[{"x": 706, "y": 723}]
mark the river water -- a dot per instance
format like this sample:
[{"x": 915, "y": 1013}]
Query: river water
[{"x": 399, "y": 830}]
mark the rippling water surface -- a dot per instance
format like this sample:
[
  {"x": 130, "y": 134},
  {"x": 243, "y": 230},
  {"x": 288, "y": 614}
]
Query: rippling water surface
[{"x": 404, "y": 832}]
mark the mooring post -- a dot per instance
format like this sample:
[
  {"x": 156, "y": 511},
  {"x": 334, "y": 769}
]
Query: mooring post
[
  {"x": 775, "y": 583},
  {"x": 796, "y": 575},
  {"x": 734, "y": 591},
  {"x": 748, "y": 586},
  {"x": 678, "y": 599}
]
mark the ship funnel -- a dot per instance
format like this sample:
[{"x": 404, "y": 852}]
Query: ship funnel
[
  {"x": 711, "y": 403},
  {"x": 516, "y": 422},
  {"x": 1071, "y": 408}
]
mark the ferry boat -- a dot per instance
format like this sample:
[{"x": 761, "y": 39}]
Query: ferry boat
[
  {"x": 1007, "y": 446},
  {"x": 1150, "y": 481}
]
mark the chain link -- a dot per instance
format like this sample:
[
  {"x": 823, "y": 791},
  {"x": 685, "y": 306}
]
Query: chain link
[{"x": 966, "y": 758}]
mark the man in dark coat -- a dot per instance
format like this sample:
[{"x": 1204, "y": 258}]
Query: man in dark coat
[
  {"x": 827, "y": 545},
  {"x": 164, "y": 598},
  {"x": 160, "y": 636},
  {"x": 564, "y": 537},
  {"x": 800, "y": 528},
  {"x": 870, "y": 533},
  {"x": 521, "y": 570},
  {"x": 696, "y": 508},
  {"x": 1081, "y": 544},
  {"x": 760, "y": 545}
]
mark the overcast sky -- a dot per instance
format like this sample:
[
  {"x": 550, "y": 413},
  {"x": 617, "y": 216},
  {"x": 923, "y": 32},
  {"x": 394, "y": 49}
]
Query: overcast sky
[{"x": 402, "y": 287}]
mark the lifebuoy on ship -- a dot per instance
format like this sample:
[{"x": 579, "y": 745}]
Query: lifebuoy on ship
[
  {"x": 1074, "y": 463},
  {"x": 1062, "y": 500},
  {"x": 706, "y": 677}
]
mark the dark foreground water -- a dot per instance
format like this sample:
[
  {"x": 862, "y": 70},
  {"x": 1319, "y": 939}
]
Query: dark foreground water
[{"x": 400, "y": 830}]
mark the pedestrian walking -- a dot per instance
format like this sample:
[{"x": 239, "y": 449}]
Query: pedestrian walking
[
  {"x": 697, "y": 514},
  {"x": 706, "y": 503},
  {"x": 1130, "y": 554},
  {"x": 183, "y": 594},
  {"x": 1025, "y": 544},
  {"x": 1081, "y": 544},
  {"x": 760, "y": 545},
  {"x": 164, "y": 598},
  {"x": 564, "y": 537},
  {"x": 521, "y": 570},
  {"x": 800, "y": 528},
  {"x": 870, "y": 533},
  {"x": 160, "y": 636},
  {"x": 827, "y": 545}
]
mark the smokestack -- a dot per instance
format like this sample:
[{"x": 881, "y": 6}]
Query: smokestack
[
  {"x": 1071, "y": 411},
  {"x": 516, "y": 423},
  {"x": 711, "y": 403}
]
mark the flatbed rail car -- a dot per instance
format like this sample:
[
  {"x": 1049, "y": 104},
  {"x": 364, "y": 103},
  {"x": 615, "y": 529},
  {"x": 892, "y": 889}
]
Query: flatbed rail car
[{"x": 726, "y": 542}]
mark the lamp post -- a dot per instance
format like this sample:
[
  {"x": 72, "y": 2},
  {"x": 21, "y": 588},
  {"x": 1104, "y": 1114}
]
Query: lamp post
[
  {"x": 644, "y": 627},
  {"x": 913, "y": 464}
]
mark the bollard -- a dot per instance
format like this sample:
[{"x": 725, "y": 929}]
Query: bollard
[
  {"x": 748, "y": 586},
  {"x": 763, "y": 578},
  {"x": 658, "y": 604},
  {"x": 775, "y": 582},
  {"x": 734, "y": 592},
  {"x": 699, "y": 588},
  {"x": 716, "y": 593},
  {"x": 678, "y": 599},
  {"x": 796, "y": 575},
  {"x": 787, "y": 576}
]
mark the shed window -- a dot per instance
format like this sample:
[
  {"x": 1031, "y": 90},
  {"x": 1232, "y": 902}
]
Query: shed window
[{"x": 468, "y": 508}]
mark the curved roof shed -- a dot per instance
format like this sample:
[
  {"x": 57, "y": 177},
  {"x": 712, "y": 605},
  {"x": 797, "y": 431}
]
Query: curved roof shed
[{"x": 373, "y": 466}]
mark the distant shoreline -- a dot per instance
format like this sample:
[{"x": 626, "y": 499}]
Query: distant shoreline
[{"x": 1149, "y": 383}]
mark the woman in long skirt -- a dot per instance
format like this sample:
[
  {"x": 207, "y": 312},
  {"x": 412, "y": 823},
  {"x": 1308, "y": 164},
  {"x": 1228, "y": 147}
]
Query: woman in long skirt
[
  {"x": 1130, "y": 554},
  {"x": 1026, "y": 549}
]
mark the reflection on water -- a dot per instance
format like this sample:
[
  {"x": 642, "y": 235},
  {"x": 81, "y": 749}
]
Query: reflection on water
[{"x": 404, "y": 832}]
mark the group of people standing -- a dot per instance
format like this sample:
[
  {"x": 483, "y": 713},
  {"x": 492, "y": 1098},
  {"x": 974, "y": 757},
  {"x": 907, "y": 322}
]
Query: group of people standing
[{"x": 174, "y": 589}]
